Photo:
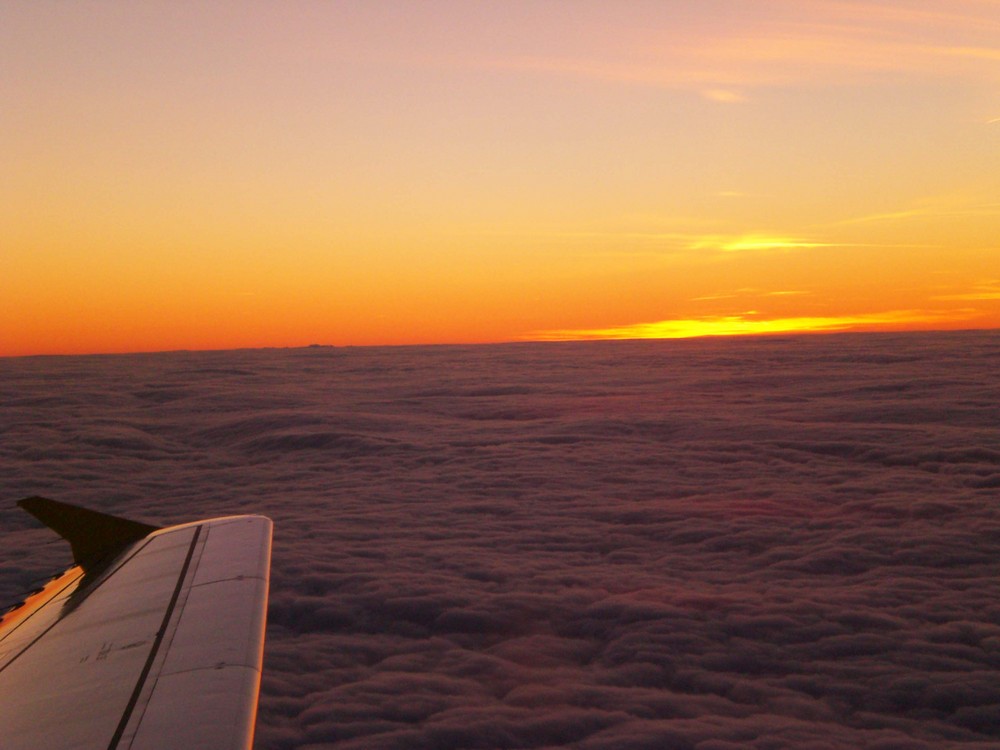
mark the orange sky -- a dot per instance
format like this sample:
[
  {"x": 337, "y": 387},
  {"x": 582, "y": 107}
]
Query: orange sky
[{"x": 229, "y": 174}]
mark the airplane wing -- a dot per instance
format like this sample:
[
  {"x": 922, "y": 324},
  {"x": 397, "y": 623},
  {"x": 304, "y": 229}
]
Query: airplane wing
[{"x": 153, "y": 639}]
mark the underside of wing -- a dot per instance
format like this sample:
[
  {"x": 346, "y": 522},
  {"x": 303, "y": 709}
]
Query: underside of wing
[{"x": 155, "y": 640}]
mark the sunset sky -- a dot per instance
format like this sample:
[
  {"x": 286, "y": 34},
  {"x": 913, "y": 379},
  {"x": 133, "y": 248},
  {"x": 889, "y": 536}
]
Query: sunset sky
[{"x": 232, "y": 174}]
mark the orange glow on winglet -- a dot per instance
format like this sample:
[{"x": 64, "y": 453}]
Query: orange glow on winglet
[{"x": 39, "y": 598}]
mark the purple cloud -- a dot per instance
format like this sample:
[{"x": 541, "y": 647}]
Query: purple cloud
[{"x": 768, "y": 543}]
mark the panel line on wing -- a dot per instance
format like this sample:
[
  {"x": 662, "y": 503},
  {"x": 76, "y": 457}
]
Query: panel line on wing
[
  {"x": 216, "y": 668},
  {"x": 149, "y": 688},
  {"x": 156, "y": 644},
  {"x": 231, "y": 578}
]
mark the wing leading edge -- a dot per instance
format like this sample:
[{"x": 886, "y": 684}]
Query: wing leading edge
[{"x": 150, "y": 641}]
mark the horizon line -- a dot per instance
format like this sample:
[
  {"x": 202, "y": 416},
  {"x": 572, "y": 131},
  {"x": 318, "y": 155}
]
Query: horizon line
[{"x": 731, "y": 336}]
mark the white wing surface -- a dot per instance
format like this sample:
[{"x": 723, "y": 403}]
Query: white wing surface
[{"x": 153, "y": 640}]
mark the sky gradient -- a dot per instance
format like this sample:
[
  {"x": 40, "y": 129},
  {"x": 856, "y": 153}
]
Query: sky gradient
[{"x": 277, "y": 174}]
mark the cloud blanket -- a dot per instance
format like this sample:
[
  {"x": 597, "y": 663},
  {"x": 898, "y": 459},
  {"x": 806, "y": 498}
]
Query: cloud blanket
[{"x": 703, "y": 545}]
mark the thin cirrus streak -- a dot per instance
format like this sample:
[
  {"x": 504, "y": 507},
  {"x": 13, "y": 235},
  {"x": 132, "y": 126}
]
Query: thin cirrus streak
[
  {"x": 936, "y": 208},
  {"x": 723, "y": 96},
  {"x": 752, "y": 242},
  {"x": 765, "y": 60},
  {"x": 748, "y": 324},
  {"x": 749, "y": 293},
  {"x": 805, "y": 42},
  {"x": 988, "y": 290},
  {"x": 684, "y": 241}
]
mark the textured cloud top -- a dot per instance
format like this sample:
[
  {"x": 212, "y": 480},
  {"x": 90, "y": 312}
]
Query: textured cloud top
[{"x": 704, "y": 545}]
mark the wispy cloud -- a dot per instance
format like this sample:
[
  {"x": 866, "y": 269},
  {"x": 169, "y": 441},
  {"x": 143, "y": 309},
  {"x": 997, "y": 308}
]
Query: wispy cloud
[
  {"x": 784, "y": 44},
  {"x": 696, "y": 243},
  {"x": 984, "y": 291},
  {"x": 723, "y": 96},
  {"x": 692, "y": 244},
  {"x": 749, "y": 293},
  {"x": 980, "y": 53},
  {"x": 932, "y": 208},
  {"x": 753, "y": 242},
  {"x": 881, "y": 217},
  {"x": 750, "y": 323}
]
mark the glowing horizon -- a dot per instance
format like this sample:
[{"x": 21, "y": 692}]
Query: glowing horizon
[
  {"x": 749, "y": 324},
  {"x": 256, "y": 174}
]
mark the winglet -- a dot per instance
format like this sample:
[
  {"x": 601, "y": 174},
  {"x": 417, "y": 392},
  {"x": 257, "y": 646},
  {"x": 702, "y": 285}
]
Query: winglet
[{"x": 92, "y": 535}]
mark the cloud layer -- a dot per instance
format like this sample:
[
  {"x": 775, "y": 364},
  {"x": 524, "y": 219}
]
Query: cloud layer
[{"x": 714, "y": 544}]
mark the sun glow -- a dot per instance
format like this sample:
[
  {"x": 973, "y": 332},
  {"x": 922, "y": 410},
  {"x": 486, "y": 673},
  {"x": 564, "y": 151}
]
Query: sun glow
[
  {"x": 751, "y": 324},
  {"x": 753, "y": 242}
]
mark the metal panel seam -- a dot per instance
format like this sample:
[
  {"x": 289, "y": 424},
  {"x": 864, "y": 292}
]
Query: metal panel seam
[{"x": 156, "y": 645}]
